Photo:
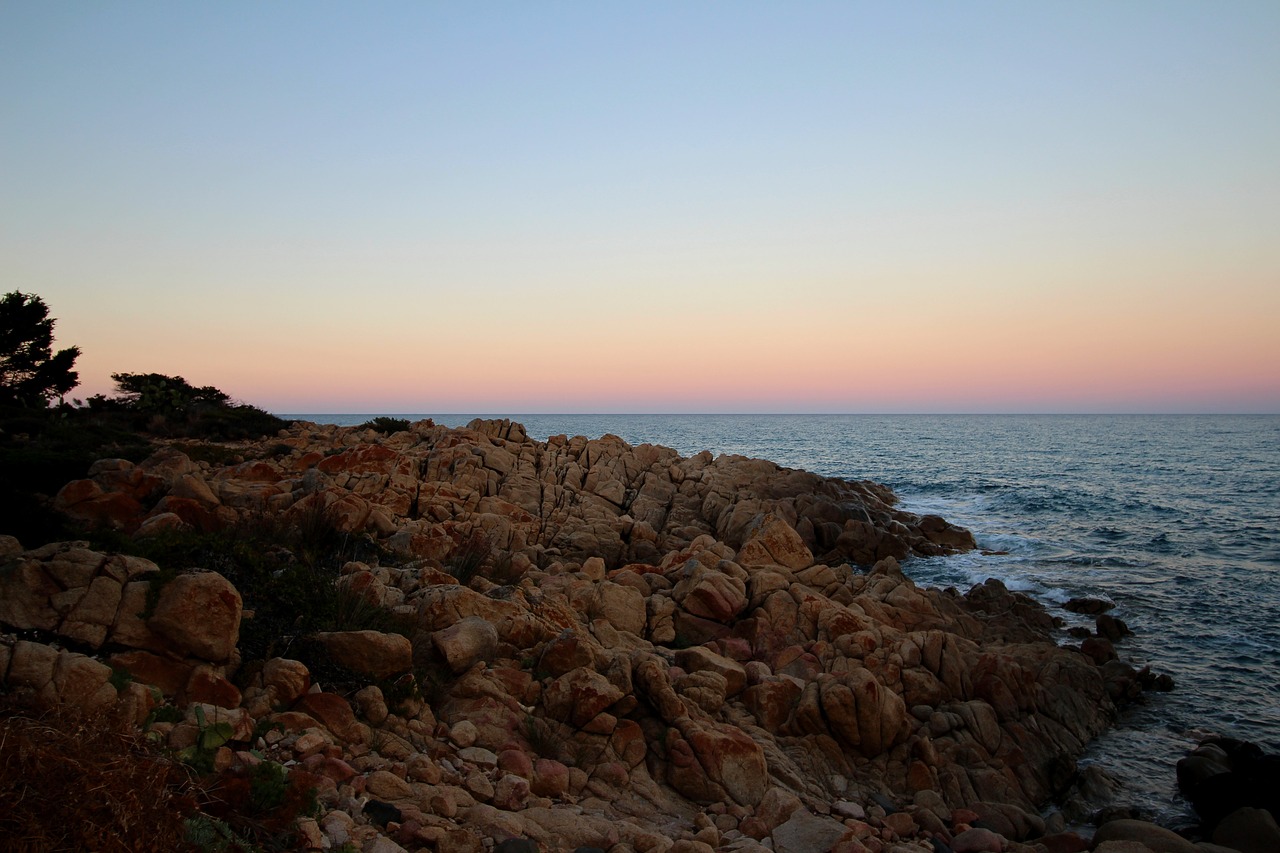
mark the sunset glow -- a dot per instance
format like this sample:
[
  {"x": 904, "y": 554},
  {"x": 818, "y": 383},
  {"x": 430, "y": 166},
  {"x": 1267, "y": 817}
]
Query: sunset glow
[{"x": 819, "y": 207}]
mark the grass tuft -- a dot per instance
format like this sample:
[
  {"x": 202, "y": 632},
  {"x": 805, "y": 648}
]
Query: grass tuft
[{"x": 71, "y": 781}]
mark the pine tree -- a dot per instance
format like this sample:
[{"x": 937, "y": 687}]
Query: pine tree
[{"x": 31, "y": 374}]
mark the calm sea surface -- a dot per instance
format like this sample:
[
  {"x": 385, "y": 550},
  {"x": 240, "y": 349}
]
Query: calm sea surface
[{"x": 1176, "y": 519}]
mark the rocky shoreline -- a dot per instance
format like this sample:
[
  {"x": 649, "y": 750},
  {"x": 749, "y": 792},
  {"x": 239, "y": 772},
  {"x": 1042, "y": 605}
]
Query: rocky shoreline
[{"x": 608, "y": 647}]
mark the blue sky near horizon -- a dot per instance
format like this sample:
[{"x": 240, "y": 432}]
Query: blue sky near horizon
[{"x": 546, "y": 207}]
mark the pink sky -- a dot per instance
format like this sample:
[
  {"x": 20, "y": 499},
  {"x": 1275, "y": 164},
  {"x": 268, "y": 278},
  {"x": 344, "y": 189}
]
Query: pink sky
[{"x": 840, "y": 208}]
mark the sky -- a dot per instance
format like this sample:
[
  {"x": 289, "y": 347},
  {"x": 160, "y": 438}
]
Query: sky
[{"x": 522, "y": 207}]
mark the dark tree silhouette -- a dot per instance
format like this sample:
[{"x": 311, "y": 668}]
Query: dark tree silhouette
[{"x": 31, "y": 374}]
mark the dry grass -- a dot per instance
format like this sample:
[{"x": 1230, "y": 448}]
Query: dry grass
[{"x": 70, "y": 781}]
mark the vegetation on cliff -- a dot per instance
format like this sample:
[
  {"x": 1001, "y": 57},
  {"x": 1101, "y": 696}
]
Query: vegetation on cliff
[
  {"x": 461, "y": 635},
  {"x": 411, "y": 637},
  {"x": 45, "y": 442}
]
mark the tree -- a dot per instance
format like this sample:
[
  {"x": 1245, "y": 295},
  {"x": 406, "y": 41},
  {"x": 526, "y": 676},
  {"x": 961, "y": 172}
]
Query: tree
[
  {"x": 157, "y": 394},
  {"x": 170, "y": 405},
  {"x": 31, "y": 374}
]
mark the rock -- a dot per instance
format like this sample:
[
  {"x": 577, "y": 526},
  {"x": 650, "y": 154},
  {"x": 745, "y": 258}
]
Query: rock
[
  {"x": 1064, "y": 842},
  {"x": 578, "y": 697},
  {"x": 199, "y": 613},
  {"x": 25, "y": 592},
  {"x": 511, "y": 793},
  {"x": 517, "y": 845},
  {"x": 459, "y": 841},
  {"x": 372, "y": 704},
  {"x": 903, "y": 824},
  {"x": 382, "y": 844},
  {"x": 1088, "y": 606},
  {"x": 207, "y": 686},
  {"x": 388, "y": 786},
  {"x": 711, "y": 594},
  {"x": 10, "y": 547},
  {"x": 82, "y": 682},
  {"x": 708, "y": 690},
  {"x": 371, "y": 653},
  {"x": 333, "y": 712},
  {"x": 791, "y": 684},
  {"x": 1098, "y": 649},
  {"x": 1112, "y": 628},
  {"x": 977, "y": 840},
  {"x": 565, "y": 653},
  {"x": 466, "y": 642},
  {"x": 550, "y": 779},
  {"x": 774, "y": 542},
  {"x": 941, "y": 532},
  {"x": 863, "y": 713},
  {"x": 464, "y": 733},
  {"x": 807, "y": 833},
  {"x": 31, "y": 665},
  {"x": 483, "y": 758},
  {"x": 1157, "y": 838},
  {"x": 622, "y": 607},
  {"x": 719, "y": 758},
  {"x": 286, "y": 679},
  {"x": 776, "y": 806},
  {"x": 1249, "y": 830}
]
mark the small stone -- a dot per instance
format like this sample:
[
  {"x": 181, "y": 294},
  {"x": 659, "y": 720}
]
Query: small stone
[{"x": 464, "y": 734}]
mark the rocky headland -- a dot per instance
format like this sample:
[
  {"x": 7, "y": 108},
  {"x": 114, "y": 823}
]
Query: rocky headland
[{"x": 576, "y": 642}]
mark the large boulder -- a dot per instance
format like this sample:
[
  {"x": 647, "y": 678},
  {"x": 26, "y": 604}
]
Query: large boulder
[
  {"x": 803, "y": 832},
  {"x": 711, "y": 761},
  {"x": 199, "y": 613},
  {"x": 1249, "y": 830},
  {"x": 1156, "y": 838},
  {"x": 577, "y": 697},
  {"x": 772, "y": 541},
  {"x": 371, "y": 653},
  {"x": 466, "y": 642}
]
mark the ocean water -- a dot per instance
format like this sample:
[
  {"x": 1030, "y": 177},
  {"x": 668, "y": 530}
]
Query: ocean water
[{"x": 1175, "y": 519}]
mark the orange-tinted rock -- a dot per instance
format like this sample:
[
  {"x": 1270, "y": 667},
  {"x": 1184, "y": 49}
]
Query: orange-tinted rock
[
  {"x": 76, "y": 492},
  {"x": 168, "y": 674},
  {"x": 209, "y": 687},
  {"x": 200, "y": 614},
  {"x": 115, "y": 510},
  {"x": 368, "y": 458},
  {"x": 372, "y": 653},
  {"x": 774, "y": 542},
  {"x": 334, "y": 714},
  {"x": 190, "y": 511},
  {"x": 577, "y": 697},
  {"x": 25, "y": 592},
  {"x": 727, "y": 757},
  {"x": 699, "y": 658},
  {"x": 564, "y": 654},
  {"x": 550, "y": 779},
  {"x": 771, "y": 702}
]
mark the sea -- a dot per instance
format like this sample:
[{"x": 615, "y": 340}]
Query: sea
[{"x": 1174, "y": 519}]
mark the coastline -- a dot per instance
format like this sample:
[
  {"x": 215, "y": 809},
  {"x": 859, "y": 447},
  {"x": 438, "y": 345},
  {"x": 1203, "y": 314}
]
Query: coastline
[{"x": 711, "y": 601}]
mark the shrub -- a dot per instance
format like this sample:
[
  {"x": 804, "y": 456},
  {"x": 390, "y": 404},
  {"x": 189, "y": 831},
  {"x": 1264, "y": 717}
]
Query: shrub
[
  {"x": 43, "y": 449},
  {"x": 286, "y": 568},
  {"x": 169, "y": 405},
  {"x": 50, "y": 759},
  {"x": 386, "y": 425}
]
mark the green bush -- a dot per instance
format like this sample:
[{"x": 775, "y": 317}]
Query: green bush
[
  {"x": 286, "y": 568},
  {"x": 41, "y": 450},
  {"x": 386, "y": 425},
  {"x": 171, "y": 406}
]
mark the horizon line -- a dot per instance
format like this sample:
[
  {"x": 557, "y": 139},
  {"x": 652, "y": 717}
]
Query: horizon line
[{"x": 505, "y": 414}]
